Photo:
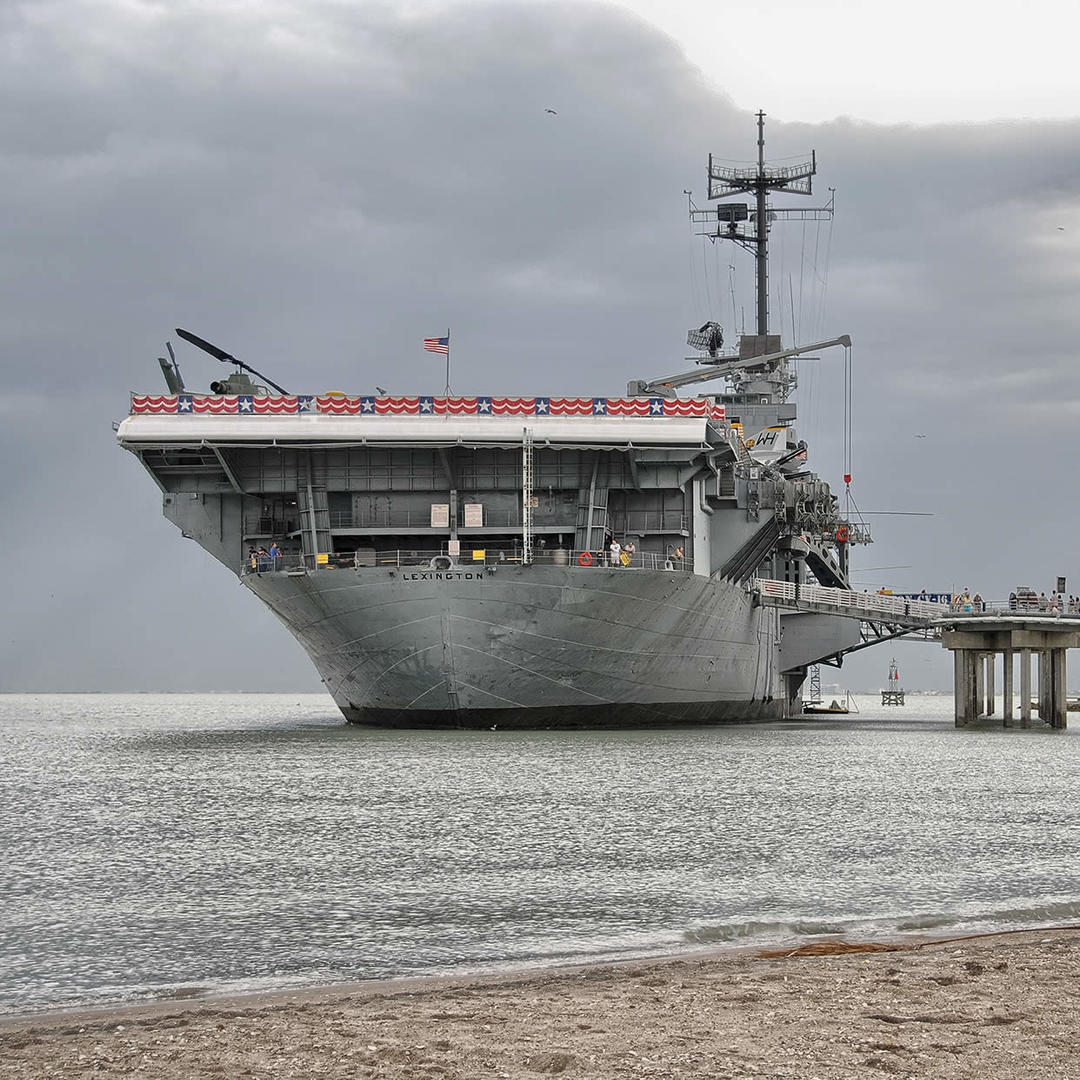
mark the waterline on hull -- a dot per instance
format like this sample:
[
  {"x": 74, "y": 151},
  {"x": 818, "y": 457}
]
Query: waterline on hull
[{"x": 591, "y": 717}]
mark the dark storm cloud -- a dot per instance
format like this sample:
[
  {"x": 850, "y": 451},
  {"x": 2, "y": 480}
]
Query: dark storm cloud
[{"x": 318, "y": 186}]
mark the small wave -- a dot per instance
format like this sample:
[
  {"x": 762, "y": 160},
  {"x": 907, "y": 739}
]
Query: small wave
[
  {"x": 1018, "y": 917},
  {"x": 770, "y": 931},
  {"x": 931, "y": 924},
  {"x": 1054, "y": 911},
  {"x": 925, "y": 922}
]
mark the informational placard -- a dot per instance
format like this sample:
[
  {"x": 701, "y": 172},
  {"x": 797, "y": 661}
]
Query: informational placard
[
  {"x": 440, "y": 515},
  {"x": 453, "y": 547},
  {"x": 479, "y": 554},
  {"x": 474, "y": 515}
]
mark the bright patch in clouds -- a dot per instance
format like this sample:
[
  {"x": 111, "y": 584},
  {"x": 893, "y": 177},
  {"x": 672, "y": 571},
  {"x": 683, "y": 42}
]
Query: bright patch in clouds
[{"x": 923, "y": 61}]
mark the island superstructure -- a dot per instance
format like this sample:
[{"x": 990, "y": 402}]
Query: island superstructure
[{"x": 448, "y": 561}]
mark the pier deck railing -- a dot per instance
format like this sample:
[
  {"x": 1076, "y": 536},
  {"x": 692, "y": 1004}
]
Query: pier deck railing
[{"x": 857, "y": 605}]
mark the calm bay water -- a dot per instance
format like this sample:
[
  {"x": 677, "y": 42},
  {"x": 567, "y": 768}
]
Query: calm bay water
[{"x": 159, "y": 845}]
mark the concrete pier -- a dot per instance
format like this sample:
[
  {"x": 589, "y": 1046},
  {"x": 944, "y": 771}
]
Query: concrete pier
[{"x": 976, "y": 644}]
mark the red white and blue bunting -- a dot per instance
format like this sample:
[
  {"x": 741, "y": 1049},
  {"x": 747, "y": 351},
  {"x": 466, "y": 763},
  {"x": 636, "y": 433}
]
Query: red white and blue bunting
[{"x": 340, "y": 405}]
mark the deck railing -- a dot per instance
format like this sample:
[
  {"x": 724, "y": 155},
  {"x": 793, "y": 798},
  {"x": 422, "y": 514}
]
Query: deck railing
[{"x": 263, "y": 563}]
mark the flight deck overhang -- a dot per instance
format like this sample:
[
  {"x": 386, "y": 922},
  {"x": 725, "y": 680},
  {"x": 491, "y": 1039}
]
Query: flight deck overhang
[{"x": 604, "y": 432}]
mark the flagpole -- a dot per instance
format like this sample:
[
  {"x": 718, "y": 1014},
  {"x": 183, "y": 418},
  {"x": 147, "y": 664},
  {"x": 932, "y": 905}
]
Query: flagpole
[{"x": 446, "y": 392}]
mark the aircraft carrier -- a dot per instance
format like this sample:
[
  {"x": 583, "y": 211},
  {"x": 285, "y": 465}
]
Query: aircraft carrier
[{"x": 458, "y": 561}]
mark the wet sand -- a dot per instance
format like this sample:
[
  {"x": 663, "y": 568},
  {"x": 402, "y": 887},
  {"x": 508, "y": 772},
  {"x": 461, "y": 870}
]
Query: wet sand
[{"x": 1001, "y": 1007}]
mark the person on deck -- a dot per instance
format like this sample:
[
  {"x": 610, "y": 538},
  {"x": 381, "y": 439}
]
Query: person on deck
[{"x": 615, "y": 549}]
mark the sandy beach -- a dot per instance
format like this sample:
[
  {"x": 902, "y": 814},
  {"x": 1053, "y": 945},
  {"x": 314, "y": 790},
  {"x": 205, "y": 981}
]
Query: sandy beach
[{"x": 1001, "y": 1006}]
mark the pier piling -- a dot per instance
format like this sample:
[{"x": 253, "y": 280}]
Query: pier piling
[
  {"x": 1025, "y": 688},
  {"x": 1007, "y": 689}
]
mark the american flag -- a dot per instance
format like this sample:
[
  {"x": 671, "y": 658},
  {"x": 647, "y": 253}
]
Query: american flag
[{"x": 437, "y": 344}]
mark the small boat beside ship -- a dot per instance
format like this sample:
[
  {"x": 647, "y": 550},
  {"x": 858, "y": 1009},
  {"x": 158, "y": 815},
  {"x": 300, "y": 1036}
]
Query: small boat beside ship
[
  {"x": 814, "y": 703},
  {"x": 836, "y": 707}
]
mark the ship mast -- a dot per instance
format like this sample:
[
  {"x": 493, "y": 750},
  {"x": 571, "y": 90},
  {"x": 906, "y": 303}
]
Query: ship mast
[
  {"x": 761, "y": 254},
  {"x": 725, "y": 222}
]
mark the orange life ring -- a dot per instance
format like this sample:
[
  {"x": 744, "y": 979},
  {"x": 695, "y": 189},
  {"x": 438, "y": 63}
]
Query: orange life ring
[
  {"x": 843, "y": 534},
  {"x": 585, "y": 558}
]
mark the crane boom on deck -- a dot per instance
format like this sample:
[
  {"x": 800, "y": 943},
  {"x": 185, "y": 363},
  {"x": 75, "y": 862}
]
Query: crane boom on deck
[{"x": 666, "y": 385}]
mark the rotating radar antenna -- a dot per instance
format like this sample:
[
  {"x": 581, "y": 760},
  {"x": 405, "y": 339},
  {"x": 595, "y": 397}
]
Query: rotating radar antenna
[{"x": 708, "y": 338}]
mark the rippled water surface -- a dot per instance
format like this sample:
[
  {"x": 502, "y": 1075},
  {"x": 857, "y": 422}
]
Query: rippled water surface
[{"x": 158, "y": 845}]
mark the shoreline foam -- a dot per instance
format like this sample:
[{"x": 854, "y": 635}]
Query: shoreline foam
[{"x": 240, "y": 998}]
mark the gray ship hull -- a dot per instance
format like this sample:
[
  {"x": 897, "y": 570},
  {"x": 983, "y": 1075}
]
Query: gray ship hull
[{"x": 535, "y": 646}]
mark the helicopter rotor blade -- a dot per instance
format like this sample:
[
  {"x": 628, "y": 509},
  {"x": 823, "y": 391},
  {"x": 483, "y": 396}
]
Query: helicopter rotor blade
[
  {"x": 175, "y": 367},
  {"x": 213, "y": 350},
  {"x": 260, "y": 375}
]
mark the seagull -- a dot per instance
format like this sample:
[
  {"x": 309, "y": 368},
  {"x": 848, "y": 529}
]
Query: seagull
[
  {"x": 380, "y": 390},
  {"x": 552, "y": 111},
  {"x": 918, "y": 436}
]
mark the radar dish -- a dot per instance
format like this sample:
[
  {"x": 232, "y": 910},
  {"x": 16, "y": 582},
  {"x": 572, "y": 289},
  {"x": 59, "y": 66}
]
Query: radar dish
[{"x": 707, "y": 338}]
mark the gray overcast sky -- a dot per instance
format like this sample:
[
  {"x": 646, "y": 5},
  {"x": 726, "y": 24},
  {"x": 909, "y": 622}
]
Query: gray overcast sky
[{"x": 317, "y": 186}]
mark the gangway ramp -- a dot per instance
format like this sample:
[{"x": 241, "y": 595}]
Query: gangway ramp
[{"x": 897, "y": 612}]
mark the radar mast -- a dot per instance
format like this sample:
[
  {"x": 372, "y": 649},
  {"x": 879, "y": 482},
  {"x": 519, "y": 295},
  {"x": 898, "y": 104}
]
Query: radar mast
[
  {"x": 748, "y": 226},
  {"x": 758, "y": 180}
]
